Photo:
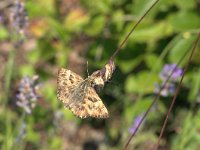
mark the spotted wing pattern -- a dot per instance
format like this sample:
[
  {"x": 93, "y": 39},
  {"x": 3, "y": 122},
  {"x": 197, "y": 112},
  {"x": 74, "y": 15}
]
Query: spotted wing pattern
[
  {"x": 78, "y": 95},
  {"x": 89, "y": 105}
]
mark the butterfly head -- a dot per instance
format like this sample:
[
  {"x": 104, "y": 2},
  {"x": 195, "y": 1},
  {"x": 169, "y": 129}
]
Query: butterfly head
[{"x": 97, "y": 81}]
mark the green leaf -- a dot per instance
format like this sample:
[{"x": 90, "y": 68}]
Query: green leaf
[
  {"x": 118, "y": 20},
  {"x": 128, "y": 65},
  {"x": 137, "y": 108},
  {"x": 43, "y": 8},
  {"x": 150, "y": 32},
  {"x": 184, "y": 5},
  {"x": 179, "y": 49},
  {"x": 31, "y": 134},
  {"x": 33, "y": 56},
  {"x": 188, "y": 138},
  {"x": 152, "y": 62},
  {"x": 140, "y": 83},
  {"x": 3, "y": 33},
  {"x": 96, "y": 25},
  {"x": 100, "y": 6},
  {"x": 26, "y": 70},
  {"x": 56, "y": 143},
  {"x": 76, "y": 21},
  {"x": 184, "y": 21},
  {"x": 139, "y": 7},
  {"x": 195, "y": 86},
  {"x": 49, "y": 93}
]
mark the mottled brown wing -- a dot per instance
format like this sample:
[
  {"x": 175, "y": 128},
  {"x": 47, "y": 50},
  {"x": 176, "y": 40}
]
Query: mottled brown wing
[
  {"x": 88, "y": 105},
  {"x": 66, "y": 83}
]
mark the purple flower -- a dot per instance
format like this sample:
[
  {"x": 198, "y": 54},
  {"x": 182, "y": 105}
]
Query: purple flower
[
  {"x": 27, "y": 96},
  {"x": 136, "y": 123},
  {"x": 167, "y": 69},
  {"x": 169, "y": 88}
]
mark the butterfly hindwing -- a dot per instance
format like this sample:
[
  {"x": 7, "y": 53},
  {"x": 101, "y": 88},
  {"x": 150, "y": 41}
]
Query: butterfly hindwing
[{"x": 90, "y": 105}]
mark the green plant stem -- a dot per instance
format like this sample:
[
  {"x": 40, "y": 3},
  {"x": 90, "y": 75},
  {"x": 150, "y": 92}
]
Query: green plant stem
[
  {"x": 8, "y": 77},
  {"x": 17, "y": 144},
  {"x": 9, "y": 72}
]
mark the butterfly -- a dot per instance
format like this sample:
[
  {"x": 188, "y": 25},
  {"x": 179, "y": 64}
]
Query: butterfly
[{"x": 80, "y": 95}]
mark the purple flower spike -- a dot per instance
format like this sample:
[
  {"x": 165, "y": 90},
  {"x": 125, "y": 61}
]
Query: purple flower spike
[
  {"x": 27, "y": 96},
  {"x": 18, "y": 16},
  {"x": 136, "y": 123}
]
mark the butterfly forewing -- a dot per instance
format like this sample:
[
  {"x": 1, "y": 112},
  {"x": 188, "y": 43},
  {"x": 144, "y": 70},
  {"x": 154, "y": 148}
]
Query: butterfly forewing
[{"x": 67, "y": 82}]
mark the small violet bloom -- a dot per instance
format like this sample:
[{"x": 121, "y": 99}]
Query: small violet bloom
[
  {"x": 167, "y": 69},
  {"x": 169, "y": 88}
]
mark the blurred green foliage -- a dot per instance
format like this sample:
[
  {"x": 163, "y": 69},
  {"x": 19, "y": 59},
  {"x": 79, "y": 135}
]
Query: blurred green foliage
[{"x": 70, "y": 33}]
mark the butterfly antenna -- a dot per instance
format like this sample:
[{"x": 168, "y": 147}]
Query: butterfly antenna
[
  {"x": 133, "y": 28},
  {"x": 87, "y": 69}
]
